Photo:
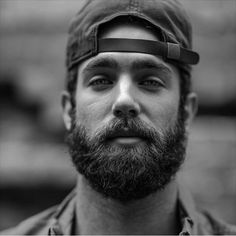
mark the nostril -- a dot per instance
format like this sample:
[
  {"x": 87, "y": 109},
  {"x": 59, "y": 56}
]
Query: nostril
[
  {"x": 125, "y": 112},
  {"x": 125, "y": 109},
  {"x": 132, "y": 112},
  {"x": 118, "y": 113}
]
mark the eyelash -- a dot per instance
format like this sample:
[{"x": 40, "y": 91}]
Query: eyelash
[
  {"x": 100, "y": 83},
  {"x": 152, "y": 82}
]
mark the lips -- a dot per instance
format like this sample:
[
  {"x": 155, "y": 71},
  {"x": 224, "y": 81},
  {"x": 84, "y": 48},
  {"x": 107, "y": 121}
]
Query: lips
[
  {"x": 125, "y": 138},
  {"x": 125, "y": 134}
]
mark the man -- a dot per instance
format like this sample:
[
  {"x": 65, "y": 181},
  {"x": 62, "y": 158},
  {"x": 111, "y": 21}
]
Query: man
[{"x": 127, "y": 109}]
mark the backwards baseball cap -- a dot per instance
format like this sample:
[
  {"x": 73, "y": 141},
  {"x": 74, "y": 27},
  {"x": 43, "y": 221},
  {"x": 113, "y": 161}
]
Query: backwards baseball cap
[{"x": 167, "y": 17}]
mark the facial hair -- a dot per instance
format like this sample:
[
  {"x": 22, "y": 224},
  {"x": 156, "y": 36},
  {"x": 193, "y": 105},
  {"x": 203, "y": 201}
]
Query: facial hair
[{"x": 127, "y": 173}]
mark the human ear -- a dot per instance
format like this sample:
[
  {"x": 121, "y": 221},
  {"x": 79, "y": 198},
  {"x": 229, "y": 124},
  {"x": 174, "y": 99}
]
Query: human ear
[
  {"x": 190, "y": 108},
  {"x": 67, "y": 109}
]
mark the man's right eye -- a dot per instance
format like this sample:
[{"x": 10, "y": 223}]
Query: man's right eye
[{"x": 100, "y": 83}]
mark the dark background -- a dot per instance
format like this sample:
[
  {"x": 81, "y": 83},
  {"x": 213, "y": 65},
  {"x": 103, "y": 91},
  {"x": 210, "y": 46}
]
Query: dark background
[{"x": 35, "y": 171}]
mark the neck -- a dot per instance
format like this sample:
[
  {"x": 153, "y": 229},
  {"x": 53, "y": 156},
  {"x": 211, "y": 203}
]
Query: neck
[{"x": 155, "y": 214}]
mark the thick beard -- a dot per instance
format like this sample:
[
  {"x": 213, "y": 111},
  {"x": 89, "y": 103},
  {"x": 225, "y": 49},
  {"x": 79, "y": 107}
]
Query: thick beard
[{"x": 130, "y": 172}]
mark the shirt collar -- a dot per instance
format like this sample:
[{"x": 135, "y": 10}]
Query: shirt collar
[
  {"x": 63, "y": 221},
  {"x": 187, "y": 212}
]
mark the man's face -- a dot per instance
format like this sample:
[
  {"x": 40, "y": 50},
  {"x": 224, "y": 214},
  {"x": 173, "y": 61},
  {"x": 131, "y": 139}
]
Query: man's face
[{"x": 126, "y": 134}]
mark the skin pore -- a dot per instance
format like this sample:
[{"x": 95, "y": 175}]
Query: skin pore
[{"x": 154, "y": 100}]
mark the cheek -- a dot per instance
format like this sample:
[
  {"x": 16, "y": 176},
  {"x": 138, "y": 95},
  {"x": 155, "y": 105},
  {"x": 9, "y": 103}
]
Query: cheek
[
  {"x": 164, "y": 111},
  {"x": 91, "y": 111},
  {"x": 169, "y": 115}
]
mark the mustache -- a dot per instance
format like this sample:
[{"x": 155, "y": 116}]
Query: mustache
[{"x": 133, "y": 126}]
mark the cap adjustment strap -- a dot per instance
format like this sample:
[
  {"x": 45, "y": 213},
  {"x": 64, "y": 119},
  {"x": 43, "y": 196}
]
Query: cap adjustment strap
[
  {"x": 173, "y": 51},
  {"x": 166, "y": 50}
]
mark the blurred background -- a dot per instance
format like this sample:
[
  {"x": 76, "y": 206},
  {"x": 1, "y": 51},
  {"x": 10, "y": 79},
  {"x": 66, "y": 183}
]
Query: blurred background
[{"x": 35, "y": 168}]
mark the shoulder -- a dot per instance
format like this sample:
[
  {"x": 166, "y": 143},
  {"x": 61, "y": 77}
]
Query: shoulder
[
  {"x": 37, "y": 224},
  {"x": 54, "y": 219},
  {"x": 202, "y": 221},
  {"x": 209, "y": 224}
]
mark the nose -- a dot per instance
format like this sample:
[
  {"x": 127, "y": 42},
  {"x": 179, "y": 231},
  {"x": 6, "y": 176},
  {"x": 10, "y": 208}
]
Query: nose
[{"x": 125, "y": 105}]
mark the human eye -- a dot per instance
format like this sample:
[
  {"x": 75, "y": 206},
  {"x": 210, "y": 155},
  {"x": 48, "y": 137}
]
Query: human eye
[
  {"x": 100, "y": 83},
  {"x": 151, "y": 83}
]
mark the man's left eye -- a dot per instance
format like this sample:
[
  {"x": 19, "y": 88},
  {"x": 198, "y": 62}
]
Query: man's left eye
[{"x": 151, "y": 83}]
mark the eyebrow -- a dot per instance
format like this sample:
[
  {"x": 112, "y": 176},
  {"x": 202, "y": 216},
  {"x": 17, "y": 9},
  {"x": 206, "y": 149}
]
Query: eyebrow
[
  {"x": 138, "y": 64},
  {"x": 141, "y": 64},
  {"x": 101, "y": 63}
]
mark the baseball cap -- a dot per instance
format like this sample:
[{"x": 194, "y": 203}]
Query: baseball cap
[{"x": 167, "y": 17}]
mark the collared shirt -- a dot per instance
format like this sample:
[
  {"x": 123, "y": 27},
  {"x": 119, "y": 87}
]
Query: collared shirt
[{"x": 60, "y": 220}]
